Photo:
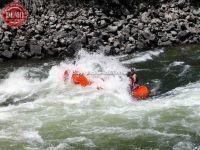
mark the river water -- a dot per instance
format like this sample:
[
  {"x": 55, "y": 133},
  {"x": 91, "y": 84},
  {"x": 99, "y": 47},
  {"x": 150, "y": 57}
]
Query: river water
[{"x": 40, "y": 111}]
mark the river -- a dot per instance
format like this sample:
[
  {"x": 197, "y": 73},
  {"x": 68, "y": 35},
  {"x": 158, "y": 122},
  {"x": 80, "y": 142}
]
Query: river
[{"x": 40, "y": 111}]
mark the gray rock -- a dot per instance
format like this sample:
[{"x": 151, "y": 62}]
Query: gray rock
[
  {"x": 129, "y": 17},
  {"x": 4, "y": 26},
  {"x": 116, "y": 43},
  {"x": 36, "y": 49},
  {"x": 67, "y": 27},
  {"x": 145, "y": 17},
  {"x": 148, "y": 35},
  {"x": 74, "y": 47},
  {"x": 119, "y": 23},
  {"x": 181, "y": 3},
  {"x": 173, "y": 39},
  {"x": 130, "y": 48},
  {"x": 161, "y": 34},
  {"x": 112, "y": 29},
  {"x": 28, "y": 54},
  {"x": 182, "y": 35},
  {"x": 156, "y": 21},
  {"x": 99, "y": 13},
  {"x": 62, "y": 41},
  {"x": 134, "y": 21},
  {"x": 105, "y": 36},
  {"x": 5, "y": 46},
  {"x": 1, "y": 35},
  {"x": 21, "y": 55},
  {"x": 103, "y": 23},
  {"x": 140, "y": 44},
  {"x": 126, "y": 29},
  {"x": 192, "y": 30},
  {"x": 7, "y": 33},
  {"x": 140, "y": 26},
  {"x": 117, "y": 50},
  {"x": 6, "y": 39},
  {"x": 58, "y": 26},
  {"x": 52, "y": 19},
  {"x": 33, "y": 42},
  {"x": 21, "y": 43},
  {"x": 60, "y": 34},
  {"x": 191, "y": 18},
  {"x": 7, "y": 54},
  {"x": 122, "y": 48},
  {"x": 22, "y": 49},
  {"x": 167, "y": 43},
  {"x": 50, "y": 52},
  {"x": 40, "y": 28},
  {"x": 107, "y": 50},
  {"x": 22, "y": 38},
  {"x": 169, "y": 27},
  {"x": 81, "y": 18},
  {"x": 174, "y": 33},
  {"x": 164, "y": 38},
  {"x": 134, "y": 32},
  {"x": 131, "y": 39},
  {"x": 196, "y": 12},
  {"x": 111, "y": 40}
]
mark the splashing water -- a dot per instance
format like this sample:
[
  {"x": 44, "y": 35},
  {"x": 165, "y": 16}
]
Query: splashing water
[{"x": 53, "y": 114}]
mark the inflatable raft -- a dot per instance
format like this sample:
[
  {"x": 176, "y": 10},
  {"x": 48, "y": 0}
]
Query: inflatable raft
[
  {"x": 77, "y": 78},
  {"x": 141, "y": 92}
]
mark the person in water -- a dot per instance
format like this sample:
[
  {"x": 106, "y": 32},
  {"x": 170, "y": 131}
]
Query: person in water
[{"x": 133, "y": 79}]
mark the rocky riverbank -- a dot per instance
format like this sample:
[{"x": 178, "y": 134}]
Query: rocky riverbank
[{"x": 61, "y": 31}]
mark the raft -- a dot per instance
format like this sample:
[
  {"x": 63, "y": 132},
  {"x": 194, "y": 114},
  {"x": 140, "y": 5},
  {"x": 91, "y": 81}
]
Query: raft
[
  {"x": 80, "y": 79},
  {"x": 77, "y": 78},
  {"x": 141, "y": 92}
]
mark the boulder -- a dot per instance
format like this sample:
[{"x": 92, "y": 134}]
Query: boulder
[
  {"x": 181, "y": 3},
  {"x": 60, "y": 34},
  {"x": 156, "y": 21},
  {"x": 21, "y": 43},
  {"x": 7, "y": 54},
  {"x": 148, "y": 35},
  {"x": 140, "y": 26},
  {"x": 36, "y": 49},
  {"x": 130, "y": 48},
  {"x": 74, "y": 47},
  {"x": 166, "y": 43},
  {"x": 6, "y": 39},
  {"x": 7, "y": 33},
  {"x": 112, "y": 29},
  {"x": 145, "y": 17},
  {"x": 107, "y": 50},
  {"x": 140, "y": 44},
  {"x": 182, "y": 35},
  {"x": 40, "y": 28},
  {"x": 196, "y": 12}
]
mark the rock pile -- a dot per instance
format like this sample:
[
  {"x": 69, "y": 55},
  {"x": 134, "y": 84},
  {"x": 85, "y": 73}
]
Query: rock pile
[{"x": 61, "y": 31}]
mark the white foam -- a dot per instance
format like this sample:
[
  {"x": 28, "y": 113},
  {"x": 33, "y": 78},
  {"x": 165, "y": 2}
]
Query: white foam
[
  {"x": 144, "y": 56},
  {"x": 176, "y": 63},
  {"x": 185, "y": 145}
]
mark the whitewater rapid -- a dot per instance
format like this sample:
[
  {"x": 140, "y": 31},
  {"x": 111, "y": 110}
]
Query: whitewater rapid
[{"x": 59, "y": 115}]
